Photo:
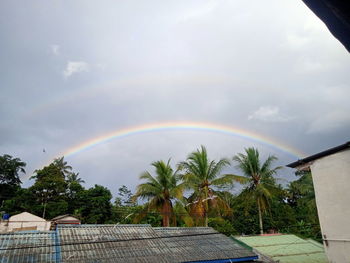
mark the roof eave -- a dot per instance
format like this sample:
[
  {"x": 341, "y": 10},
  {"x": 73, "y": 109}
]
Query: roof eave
[{"x": 304, "y": 163}]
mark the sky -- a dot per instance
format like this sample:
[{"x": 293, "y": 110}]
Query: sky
[{"x": 269, "y": 72}]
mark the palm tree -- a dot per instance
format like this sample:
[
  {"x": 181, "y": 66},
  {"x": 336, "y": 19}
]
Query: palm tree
[
  {"x": 62, "y": 165},
  {"x": 160, "y": 190},
  {"x": 201, "y": 175},
  {"x": 258, "y": 178},
  {"x": 74, "y": 178}
]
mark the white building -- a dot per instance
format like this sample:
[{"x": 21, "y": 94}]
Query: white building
[
  {"x": 331, "y": 177},
  {"x": 25, "y": 221}
]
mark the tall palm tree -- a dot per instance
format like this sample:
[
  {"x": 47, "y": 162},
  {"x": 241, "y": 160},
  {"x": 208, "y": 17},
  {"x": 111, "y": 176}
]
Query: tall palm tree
[
  {"x": 201, "y": 175},
  {"x": 258, "y": 178},
  {"x": 160, "y": 190},
  {"x": 63, "y": 166}
]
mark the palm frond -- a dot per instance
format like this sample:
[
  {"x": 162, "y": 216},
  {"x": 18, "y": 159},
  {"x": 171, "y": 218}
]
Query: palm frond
[
  {"x": 228, "y": 179},
  {"x": 181, "y": 211},
  {"x": 147, "y": 190},
  {"x": 217, "y": 168}
]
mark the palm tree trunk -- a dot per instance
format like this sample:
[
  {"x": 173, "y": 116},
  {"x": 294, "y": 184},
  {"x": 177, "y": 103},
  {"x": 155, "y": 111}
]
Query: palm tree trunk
[
  {"x": 260, "y": 219},
  {"x": 166, "y": 214},
  {"x": 206, "y": 207}
]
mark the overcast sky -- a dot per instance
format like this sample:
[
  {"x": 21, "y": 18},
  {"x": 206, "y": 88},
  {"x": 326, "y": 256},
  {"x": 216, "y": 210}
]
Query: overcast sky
[{"x": 75, "y": 70}]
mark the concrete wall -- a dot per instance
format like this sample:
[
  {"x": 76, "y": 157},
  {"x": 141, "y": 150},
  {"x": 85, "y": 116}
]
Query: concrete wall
[{"x": 331, "y": 177}]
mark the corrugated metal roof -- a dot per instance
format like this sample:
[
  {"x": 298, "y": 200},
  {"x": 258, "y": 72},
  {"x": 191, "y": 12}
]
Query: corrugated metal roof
[
  {"x": 102, "y": 248},
  {"x": 186, "y": 246},
  {"x": 142, "y": 243},
  {"x": 121, "y": 243},
  {"x": 287, "y": 248},
  {"x": 27, "y": 247}
]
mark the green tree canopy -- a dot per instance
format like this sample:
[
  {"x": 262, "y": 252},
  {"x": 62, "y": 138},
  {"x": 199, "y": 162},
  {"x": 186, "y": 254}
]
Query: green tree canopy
[
  {"x": 201, "y": 175},
  {"x": 97, "y": 207},
  {"x": 74, "y": 191},
  {"x": 160, "y": 190},
  {"x": 63, "y": 166},
  {"x": 124, "y": 197},
  {"x": 50, "y": 188},
  {"x": 259, "y": 180},
  {"x": 10, "y": 168}
]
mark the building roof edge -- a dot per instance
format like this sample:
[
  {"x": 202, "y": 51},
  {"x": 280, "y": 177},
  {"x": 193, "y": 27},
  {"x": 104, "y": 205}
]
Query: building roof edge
[{"x": 320, "y": 155}]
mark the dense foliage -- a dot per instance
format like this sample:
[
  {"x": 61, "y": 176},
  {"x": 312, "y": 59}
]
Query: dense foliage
[
  {"x": 161, "y": 191},
  {"x": 260, "y": 185},
  {"x": 57, "y": 190},
  {"x": 9, "y": 176}
]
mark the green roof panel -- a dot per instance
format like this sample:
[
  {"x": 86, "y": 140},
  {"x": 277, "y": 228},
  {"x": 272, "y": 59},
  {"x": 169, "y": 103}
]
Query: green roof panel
[{"x": 287, "y": 248}]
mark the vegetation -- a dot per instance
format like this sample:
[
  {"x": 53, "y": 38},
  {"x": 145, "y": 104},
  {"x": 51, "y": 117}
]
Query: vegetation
[
  {"x": 9, "y": 176},
  {"x": 160, "y": 190},
  {"x": 258, "y": 178},
  {"x": 200, "y": 176},
  {"x": 261, "y": 205}
]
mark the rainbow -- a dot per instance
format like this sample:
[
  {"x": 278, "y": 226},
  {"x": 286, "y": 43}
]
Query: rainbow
[{"x": 197, "y": 126}]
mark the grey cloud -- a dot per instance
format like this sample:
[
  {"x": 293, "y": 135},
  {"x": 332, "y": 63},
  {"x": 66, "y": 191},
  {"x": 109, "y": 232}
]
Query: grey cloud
[
  {"x": 330, "y": 122},
  {"x": 129, "y": 63}
]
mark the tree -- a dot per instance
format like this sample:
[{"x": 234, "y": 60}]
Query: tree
[
  {"x": 124, "y": 207},
  {"x": 301, "y": 190},
  {"x": 160, "y": 190},
  {"x": 23, "y": 200},
  {"x": 63, "y": 166},
  {"x": 73, "y": 192},
  {"x": 201, "y": 175},
  {"x": 124, "y": 197},
  {"x": 258, "y": 179},
  {"x": 74, "y": 178},
  {"x": 301, "y": 198},
  {"x": 97, "y": 207},
  {"x": 50, "y": 188},
  {"x": 9, "y": 176}
]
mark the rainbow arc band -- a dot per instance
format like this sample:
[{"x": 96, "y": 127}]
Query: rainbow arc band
[{"x": 196, "y": 126}]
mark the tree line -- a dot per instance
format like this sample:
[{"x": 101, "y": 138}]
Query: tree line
[{"x": 194, "y": 192}]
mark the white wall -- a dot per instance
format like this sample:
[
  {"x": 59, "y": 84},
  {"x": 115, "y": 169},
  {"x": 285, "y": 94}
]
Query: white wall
[
  {"x": 331, "y": 177},
  {"x": 27, "y": 220}
]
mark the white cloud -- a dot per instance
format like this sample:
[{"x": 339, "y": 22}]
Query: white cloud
[
  {"x": 75, "y": 67},
  {"x": 268, "y": 114},
  {"x": 330, "y": 122},
  {"x": 55, "y": 49}
]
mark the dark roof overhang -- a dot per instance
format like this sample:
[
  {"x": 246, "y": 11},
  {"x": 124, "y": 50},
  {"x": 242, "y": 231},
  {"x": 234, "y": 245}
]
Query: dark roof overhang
[
  {"x": 319, "y": 155},
  {"x": 336, "y": 16}
]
